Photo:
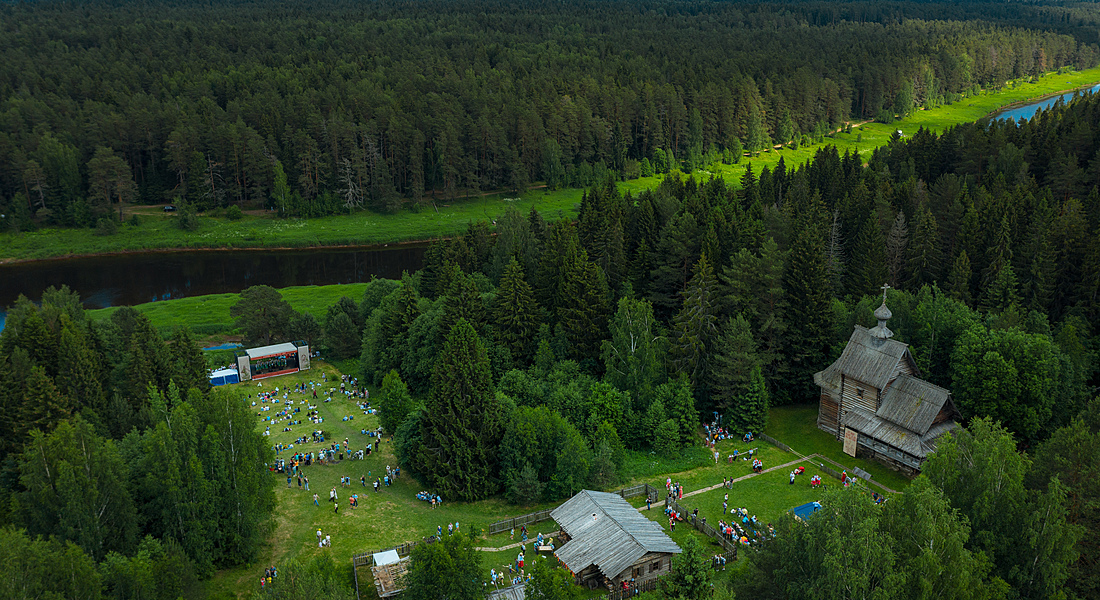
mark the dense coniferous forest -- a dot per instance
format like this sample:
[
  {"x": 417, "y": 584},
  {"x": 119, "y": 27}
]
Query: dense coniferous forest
[{"x": 313, "y": 108}]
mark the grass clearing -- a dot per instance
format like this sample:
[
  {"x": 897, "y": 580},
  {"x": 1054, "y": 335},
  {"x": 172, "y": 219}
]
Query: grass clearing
[
  {"x": 209, "y": 315},
  {"x": 439, "y": 218},
  {"x": 394, "y": 515}
]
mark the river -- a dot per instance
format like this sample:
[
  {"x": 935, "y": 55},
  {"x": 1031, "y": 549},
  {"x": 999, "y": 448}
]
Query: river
[
  {"x": 127, "y": 279},
  {"x": 1024, "y": 113}
]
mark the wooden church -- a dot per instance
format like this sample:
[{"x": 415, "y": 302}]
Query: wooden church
[{"x": 873, "y": 398}]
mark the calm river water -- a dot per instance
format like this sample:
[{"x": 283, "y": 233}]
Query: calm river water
[
  {"x": 130, "y": 279},
  {"x": 1024, "y": 113}
]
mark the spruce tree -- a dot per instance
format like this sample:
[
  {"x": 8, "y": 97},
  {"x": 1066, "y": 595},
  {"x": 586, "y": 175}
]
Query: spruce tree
[
  {"x": 808, "y": 312},
  {"x": 462, "y": 424},
  {"x": 733, "y": 363},
  {"x": 958, "y": 282},
  {"x": 923, "y": 256},
  {"x": 868, "y": 265},
  {"x": 516, "y": 313},
  {"x": 750, "y": 413},
  {"x": 695, "y": 328}
]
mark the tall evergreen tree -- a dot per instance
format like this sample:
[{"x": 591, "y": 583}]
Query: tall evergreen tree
[
  {"x": 463, "y": 422},
  {"x": 958, "y": 282},
  {"x": 806, "y": 287},
  {"x": 695, "y": 328},
  {"x": 516, "y": 313},
  {"x": 869, "y": 269},
  {"x": 923, "y": 254},
  {"x": 732, "y": 364}
]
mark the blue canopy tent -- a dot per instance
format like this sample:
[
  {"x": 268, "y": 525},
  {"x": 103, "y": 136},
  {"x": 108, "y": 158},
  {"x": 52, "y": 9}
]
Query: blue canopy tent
[
  {"x": 224, "y": 376},
  {"x": 804, "y": 511}
]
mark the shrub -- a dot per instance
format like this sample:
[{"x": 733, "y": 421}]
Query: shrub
[
  {"x": 106, "y": 226},
  {"x": 234, "y": 213}
]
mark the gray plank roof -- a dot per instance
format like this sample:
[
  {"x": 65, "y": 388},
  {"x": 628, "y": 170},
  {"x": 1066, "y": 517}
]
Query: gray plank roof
[
  {"x": 913, "y": 403},
  {"x": 512, "y": 592},
  {"x": 615, "y": 539},
  {"x": 912, "y": 443},
  {"x": 867, "y": 358}
]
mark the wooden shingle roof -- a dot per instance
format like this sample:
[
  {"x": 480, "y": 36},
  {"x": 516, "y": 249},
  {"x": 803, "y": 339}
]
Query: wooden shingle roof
[
  {"x": 617, "y": 537},
  {"x": 867, "y": 358},
  {"x": 913, "y": 403}
]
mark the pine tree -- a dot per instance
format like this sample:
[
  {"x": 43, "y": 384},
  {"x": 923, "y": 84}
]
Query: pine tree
[
  {"x": 695, "y": 328},
  {"x": 462, "y": 424},
  {"x": 41, "y": 406},
  {"x": 462, "y": 301},
  {"x": 958, "y": 282},
  {"x": 1002, "y": 291},
  {"x": 515, "y": 312},
  {"x": 78, "y": 373}
]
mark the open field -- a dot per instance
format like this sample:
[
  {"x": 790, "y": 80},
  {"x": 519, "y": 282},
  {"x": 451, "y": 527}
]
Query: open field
[
  {"x": 445, "y": 218},
  {"x": 394, "y": 515},
  {"x": 209, "y": 315}
]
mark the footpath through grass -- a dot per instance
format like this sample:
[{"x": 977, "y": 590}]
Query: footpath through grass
[{"x": 449, "y": 217}]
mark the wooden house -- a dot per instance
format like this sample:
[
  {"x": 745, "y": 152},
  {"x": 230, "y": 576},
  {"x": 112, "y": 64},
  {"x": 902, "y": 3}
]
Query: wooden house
[
  {"x": 607, "y": 541},
  {"x": 873, "y": 396}
]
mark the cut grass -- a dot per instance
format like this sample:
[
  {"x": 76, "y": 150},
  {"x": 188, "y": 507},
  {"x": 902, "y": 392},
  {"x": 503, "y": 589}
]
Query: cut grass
[{"x": 447, "y": 218}]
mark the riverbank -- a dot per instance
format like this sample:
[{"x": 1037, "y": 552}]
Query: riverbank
[{"x": 434, "y": 220}]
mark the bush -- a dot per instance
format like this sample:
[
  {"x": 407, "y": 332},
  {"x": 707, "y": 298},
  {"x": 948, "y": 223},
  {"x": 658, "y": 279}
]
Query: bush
[
  {"x": 187, "y": 219},
  {"x": 105, "y": 227},
  {"x": 666, "y": 438},
  {"x": 135, "y": 221},
  {"x": 234, "y": 213}
]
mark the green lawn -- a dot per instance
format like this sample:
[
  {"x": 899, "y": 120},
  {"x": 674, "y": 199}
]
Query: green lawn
[
  {"x": 209, "y": 315},
  {"x": 445, "y": 218},
  {"x": 796, "y": 426}
]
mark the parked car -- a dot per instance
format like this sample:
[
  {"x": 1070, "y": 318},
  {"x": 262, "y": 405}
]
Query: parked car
[{"x": 169, "y": 208}]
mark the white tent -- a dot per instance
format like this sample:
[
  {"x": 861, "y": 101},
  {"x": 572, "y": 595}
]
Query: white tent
[{"x": 385, "y": 557}]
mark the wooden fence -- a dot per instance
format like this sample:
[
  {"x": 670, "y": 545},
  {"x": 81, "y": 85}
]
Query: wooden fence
[
  {"x": 775, "y": 442},
  {"x": 648, "y": 585},
  {"x": 544, "y": 515},
  {"x": 706, "y": 529}
]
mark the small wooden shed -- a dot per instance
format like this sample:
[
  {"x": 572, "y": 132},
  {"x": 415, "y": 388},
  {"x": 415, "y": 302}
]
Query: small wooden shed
[
  {"x": 609, "y": 541},
  {"x": 874, "y": 398}
]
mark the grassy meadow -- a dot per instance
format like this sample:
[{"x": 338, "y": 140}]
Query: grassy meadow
[
  {"x": 441, "y": 218},
  {"x": 209, "y": 315},
  {"x": 394, "y": 515}
]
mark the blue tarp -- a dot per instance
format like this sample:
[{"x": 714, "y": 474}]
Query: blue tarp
[{"x": 807, "y": 509}]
